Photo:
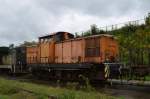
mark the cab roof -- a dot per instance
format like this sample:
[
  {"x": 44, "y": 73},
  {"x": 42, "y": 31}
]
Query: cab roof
[{"x": 55, "y": 33}]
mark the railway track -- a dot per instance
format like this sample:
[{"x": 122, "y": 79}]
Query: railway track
[
  {"x": 124, "y": 90},
  {"x": 55, "y": 83}
]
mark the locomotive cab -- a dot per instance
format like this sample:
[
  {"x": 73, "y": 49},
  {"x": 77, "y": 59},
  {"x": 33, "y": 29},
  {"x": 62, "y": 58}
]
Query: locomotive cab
[
  {"x": 56, "y": 37},
  {"x": 61, "y": 36},
  {"x": 47, "y": 46}
]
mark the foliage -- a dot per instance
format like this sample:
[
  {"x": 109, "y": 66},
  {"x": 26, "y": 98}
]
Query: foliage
[
  {"x": 135, "y": 44},
  {"x": 4, "y": 51},
  {"x": 94, "y": 30},
  {"x": 26, "y": 43},
  {"x": 147, "y": 78},
  {"x": 148, "y": 19}
]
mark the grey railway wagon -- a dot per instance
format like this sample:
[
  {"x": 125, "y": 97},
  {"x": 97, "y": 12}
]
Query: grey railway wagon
[{"x": 13, "y": 60}]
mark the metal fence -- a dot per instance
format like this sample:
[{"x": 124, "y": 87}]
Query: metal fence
[{"x": 120, "y": 25}]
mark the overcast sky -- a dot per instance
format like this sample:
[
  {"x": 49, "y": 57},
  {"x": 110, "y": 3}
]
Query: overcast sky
[{"x": 25, "y": 20}]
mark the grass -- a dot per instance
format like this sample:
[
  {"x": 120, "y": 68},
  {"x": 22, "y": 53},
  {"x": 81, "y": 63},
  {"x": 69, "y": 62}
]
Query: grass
[
  {"x": 11, "y": 89},
  {"x": 147, "y": 78}
]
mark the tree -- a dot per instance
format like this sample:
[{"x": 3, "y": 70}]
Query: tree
[
  {"x": 147, "y": 21},
  {"x": 76, "y": 34},
  {"x": 94, "y": 29},
  {"x": 87, "y": 33},
  {"x": 26, "y": 43},
  {"x": 11, "y": 46}
]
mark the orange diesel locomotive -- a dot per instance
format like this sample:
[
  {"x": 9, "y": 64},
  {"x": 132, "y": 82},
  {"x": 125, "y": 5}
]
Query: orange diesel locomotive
[{"x": 61, "y": 56}]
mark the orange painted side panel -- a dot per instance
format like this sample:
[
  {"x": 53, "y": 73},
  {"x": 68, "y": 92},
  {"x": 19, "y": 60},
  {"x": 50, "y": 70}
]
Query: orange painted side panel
[
  {"x": 78, "y": 51},
  {"x": 93, "y": 59},
  {"x": 58, "y": 53},
  {"x": 51, "y": 52},
  {"x": 113, "y": 46},
  {"x": 92, "y": 48},
  {"x": 103, "y": 43},
  {"x": 32, "y": 53},
  {"x": 109, "y": 48},
  {"x": 67, "y": 52},
  {"x": 44, "y": 52},
  {"x": 38, "y": 53},
  {"x": 47, "y": 52}
]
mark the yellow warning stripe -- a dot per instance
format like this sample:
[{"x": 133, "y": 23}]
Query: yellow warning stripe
[{"x": 106, "y": 70}]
